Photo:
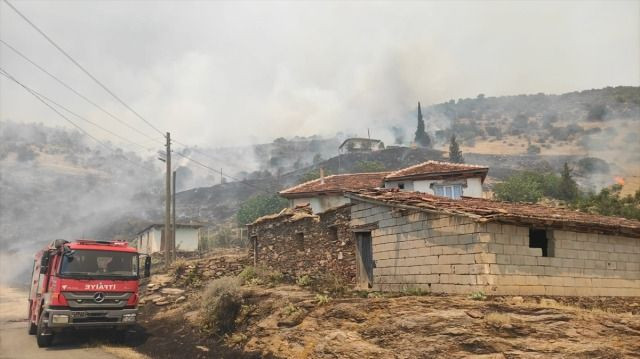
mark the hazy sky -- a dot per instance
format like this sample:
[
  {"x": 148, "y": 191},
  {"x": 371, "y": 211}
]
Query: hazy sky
[{"x": 222, "y": 73}]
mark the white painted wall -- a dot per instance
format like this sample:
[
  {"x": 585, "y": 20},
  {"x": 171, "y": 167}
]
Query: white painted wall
[
  {"x": 473, "y": 188},
  {"x": 187, "y": 239},
  {"x": 320, "y": 203},
  {"x": 151, "y": 240}
]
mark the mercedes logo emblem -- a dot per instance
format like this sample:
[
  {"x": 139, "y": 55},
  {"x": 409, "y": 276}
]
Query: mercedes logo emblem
[{"x": 98, "y": 297}]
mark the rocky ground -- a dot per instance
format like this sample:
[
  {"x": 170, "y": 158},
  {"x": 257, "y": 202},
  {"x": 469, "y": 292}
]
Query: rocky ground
[{"x": 287, "y": 321}]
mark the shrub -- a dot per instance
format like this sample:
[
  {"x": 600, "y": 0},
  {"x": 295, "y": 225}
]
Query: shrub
[
  {"x": 322, "y": 299},
  {"x": 413, "y": 291},
  {"x": 221, "y": 303},
  {"x": 479, "y": 295},
  {"x": 303, "y": 281},
  {"x": 179, "y": 267},
  {"x": 330, "y": 283},
  {"x": 260, "y": 275}
]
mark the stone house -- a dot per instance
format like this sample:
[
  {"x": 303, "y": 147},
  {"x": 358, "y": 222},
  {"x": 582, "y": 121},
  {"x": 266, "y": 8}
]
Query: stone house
[
  {"x": 298, "y": 242},
  {"x": 151, "y": 239},
  {"x": 327, "y": 192},
  {"x": 360, "y": 145},
  {"x": 452, "y": 180},
  {"x": 415, "y": 240}
]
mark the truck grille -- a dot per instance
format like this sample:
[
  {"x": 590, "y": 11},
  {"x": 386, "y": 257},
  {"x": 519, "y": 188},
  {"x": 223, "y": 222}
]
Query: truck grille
[{"x": 97, "y": 299}]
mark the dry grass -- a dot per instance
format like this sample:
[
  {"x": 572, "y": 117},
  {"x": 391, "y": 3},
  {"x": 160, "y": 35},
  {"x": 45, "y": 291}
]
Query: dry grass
[
  {"x": 498, "y": 319},
  {"x": 550, "y": 303},
  {"x": 123, "y": 352}
]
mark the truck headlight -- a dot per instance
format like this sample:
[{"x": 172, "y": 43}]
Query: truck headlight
[
  {"x": 128, "y": 318},
  {"x": 59, "y": 319}
]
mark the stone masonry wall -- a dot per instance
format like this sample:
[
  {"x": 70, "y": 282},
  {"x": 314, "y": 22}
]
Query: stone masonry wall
[
  {"x": 453, "y": 254},
  {"x": 326, "y": 247}
]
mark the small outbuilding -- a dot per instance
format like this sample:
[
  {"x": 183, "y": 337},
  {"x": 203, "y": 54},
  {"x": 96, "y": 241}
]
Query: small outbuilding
[
  {"x": 415, "y": 240},
  {"x": 151, "y": 239},
  {"x": 357, "y": 144}
]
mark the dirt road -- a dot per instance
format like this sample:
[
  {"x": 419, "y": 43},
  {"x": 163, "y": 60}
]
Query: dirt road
[{"x": 16, "y": 343}]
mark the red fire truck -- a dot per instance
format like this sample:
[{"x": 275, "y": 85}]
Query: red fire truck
[{"x": 84, "y": 284}]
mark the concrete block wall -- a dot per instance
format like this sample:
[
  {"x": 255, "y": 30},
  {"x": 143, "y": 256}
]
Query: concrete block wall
[
  {"x": 432, "y": 252},
  {"x": 581, "y": 264},
  {"x": 454, "y": 254}
]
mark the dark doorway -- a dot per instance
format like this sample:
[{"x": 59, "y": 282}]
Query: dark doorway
[
  {"x": 365, "y": 260},
  {"x": 538, "y": 239}
]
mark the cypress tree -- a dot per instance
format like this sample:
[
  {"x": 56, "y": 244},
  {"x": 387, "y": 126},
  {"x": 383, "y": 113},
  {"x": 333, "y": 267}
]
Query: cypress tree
[
  {"x": 455, "y": 154},
  {"x": 422, "y": 138},
  {"x": 568, "y": 188}
]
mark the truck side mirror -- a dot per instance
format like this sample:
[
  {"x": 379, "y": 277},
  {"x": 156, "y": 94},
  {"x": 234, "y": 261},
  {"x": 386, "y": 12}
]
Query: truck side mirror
[
  {"x": 44, "y": 263},
  {"x": 147, "y": 266}
]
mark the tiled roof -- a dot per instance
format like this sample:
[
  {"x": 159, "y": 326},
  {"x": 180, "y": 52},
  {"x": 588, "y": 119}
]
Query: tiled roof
[
  {"x": 484, "y": 210},
  {"x": 337, "y": 184},
  {"x": 435, "y": 169}
]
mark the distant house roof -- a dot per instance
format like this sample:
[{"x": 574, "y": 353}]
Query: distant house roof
[
  {"x": 438, "y": 170},
  {"x": 178, "y": 225},
  {"x": 484, "y": 210},
  {"x": 359, "y": 139},
  {"x": 336, "y": 184}
]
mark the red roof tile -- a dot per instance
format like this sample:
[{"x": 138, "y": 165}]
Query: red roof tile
[
  {"x": 484, "y": 210},
  {"x": 337, "y": 184},
  {"x": 431, "y": 169}
]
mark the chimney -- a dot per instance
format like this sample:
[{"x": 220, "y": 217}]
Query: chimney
[{"x": 321, "y": 176}]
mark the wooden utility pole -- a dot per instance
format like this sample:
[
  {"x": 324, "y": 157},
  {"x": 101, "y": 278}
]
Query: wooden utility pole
[
  {"x": 167, "y": 209},
  {"x": 173, "y": 226}
]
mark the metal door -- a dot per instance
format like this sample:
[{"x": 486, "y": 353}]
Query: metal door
[{"x": 365, "y": 260}]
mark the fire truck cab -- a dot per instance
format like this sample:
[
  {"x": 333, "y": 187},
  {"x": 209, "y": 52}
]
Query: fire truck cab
[{"x": 84, "y": 284}]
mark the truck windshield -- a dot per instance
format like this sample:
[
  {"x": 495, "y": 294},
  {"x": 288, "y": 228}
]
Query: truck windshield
[{"x": 87, "y": 263}]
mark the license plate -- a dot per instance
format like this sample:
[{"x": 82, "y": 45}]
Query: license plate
[{"x": 78, "y": 314}]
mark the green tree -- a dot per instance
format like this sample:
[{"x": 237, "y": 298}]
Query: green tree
[
  {"x": 455, "y": 154},
  {"x": 519, "y": 188},
  {"x": 258, "y": 206},
  {"x": 370, "y": 166},
  {"x": 422, "y": 138},
  {"x": 567, "y": 188},
  {"x": 609, "y": 202}
]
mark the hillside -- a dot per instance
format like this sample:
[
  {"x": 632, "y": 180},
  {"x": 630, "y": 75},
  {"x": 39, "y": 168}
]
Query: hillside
[
  {"x": 270, "y": 318},
  {"x": 56, "y": 183},
  {"x": 602, "y": 123}
]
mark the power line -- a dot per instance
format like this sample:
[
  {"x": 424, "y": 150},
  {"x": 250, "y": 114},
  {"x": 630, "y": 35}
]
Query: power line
[
  {"x": 32, "y": 92},
  {"x": 91, "y": 122},
  {"x": 224, "y": 174},
  {"x": 206, "y": 155},
  {"x": 76, "y": 92},
  {"x": 104, "y": 87},
  {"x": 81, "y": 67}
]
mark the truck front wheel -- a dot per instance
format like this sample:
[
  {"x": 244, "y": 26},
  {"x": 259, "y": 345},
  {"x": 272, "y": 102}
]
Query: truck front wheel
[{"x": 43, "y": 338}]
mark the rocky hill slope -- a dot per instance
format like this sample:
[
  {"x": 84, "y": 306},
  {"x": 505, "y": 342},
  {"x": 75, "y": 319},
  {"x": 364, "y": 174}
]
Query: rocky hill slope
[{"x": 280, "y": 320}]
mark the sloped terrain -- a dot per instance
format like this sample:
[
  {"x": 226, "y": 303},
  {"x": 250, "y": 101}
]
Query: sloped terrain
[{"x": 287, "y": 321}]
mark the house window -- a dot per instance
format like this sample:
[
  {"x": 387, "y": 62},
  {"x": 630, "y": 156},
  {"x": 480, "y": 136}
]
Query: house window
[
  {"x": 401, "y": 185},
  {"x": 452, "y": 191},
  {"x": 538, "y": 238}
]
